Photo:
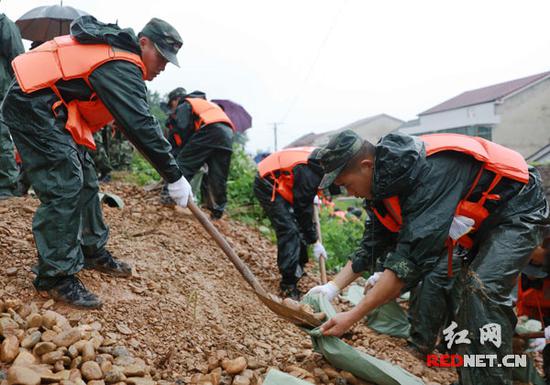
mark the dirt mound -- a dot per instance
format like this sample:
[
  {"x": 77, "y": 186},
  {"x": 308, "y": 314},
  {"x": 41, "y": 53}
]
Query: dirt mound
[{"x": 185, "y": 303}]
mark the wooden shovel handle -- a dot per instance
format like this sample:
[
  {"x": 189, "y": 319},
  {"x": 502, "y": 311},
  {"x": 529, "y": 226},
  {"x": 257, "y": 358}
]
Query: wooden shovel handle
[
  {"x": 222, "y": 243},
  {"x": 322, "y": 267}
]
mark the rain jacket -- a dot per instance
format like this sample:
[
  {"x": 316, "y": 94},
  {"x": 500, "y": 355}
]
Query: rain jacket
[
  {"x": 10, "y": 46},
  {"x": 118, "y": 84},
  {"x": 182, "y": 123},
  {"x": 429, "y": 190}
]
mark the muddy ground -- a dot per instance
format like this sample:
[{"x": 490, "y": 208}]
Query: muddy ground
[{"x": 185, "y": 301}]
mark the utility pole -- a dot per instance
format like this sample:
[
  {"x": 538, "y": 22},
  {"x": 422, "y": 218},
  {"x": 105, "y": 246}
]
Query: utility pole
[{"x": 275, "y": 134}]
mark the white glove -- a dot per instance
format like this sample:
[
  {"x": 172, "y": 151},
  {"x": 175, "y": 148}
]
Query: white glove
[
  {"x": 180, "y": 191},
  {"x": 330, "y": 290},
  {"x": 371, "y": 281},
  {"x": 538, "y": 344},
  {"x": 460, "y": 226},
  {"x": 318, "y": 250},
  {"x": 317, "y": 201},
  {"x": 547, "y": 332}
]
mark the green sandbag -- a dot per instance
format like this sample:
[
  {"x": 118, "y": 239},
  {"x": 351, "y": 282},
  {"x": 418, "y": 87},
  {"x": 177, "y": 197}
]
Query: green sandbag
[
  {"x": 344, "y": 357},
  {"x": 276, "y": 377},
  {"x": 388, "y": 319}
]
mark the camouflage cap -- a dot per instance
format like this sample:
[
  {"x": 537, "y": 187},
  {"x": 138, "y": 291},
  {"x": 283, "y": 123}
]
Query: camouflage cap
[
  {"x": 336, "y": 154},
  {"x": 176, "y": 93},
  {"x": 165, "y": 38}
]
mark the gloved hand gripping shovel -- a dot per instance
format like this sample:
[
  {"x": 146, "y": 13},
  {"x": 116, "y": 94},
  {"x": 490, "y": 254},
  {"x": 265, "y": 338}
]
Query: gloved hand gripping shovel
[{"x": 293, "y": 314}]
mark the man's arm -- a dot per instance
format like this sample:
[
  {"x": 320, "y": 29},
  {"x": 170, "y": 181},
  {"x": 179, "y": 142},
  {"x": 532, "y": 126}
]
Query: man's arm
[
  {"x": 306, "y": 183},
  {"x": 185, "y": 126},
  {"x": 120, "y": 86}
]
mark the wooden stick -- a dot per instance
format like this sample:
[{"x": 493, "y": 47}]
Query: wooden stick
[{"x": 227, "y": 249}]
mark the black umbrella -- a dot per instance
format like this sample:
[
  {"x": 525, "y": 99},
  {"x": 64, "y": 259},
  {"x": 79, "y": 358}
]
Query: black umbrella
[{"x": 46, "y": 22}]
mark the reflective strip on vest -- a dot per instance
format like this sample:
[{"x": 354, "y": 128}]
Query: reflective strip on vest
[
  {"x": 283, "y": 162},
  {"x": 208, "y": 113},
  {"x": 67, "y": 59}
]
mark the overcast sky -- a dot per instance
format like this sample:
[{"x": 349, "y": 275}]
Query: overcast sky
[{"x": 318, "y": 65}]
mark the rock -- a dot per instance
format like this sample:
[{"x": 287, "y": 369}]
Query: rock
[
  {"x": 321, "y": 375},
  {"x": 331, "y": 373},
  {"x": 55, "y": 377},
  {"x": 20, "y": 375},
  {"x": 120, "y": 351},
  {"x": 72, "y": 351},
  {"x": 103, "y": 357},
  {"x": 215, "y": 376},
  {"x": 7, "y": 326},
  {"x": 31, "y": 340},
  {"x": 240, "y": 380},
  {"x": 124, "y": 329},
  {"x": 52, "y": 357},
  {"x": 59, "y": 365},
  {"x": 139, "y": 381},
  {"x": 9, "y": 349},
  {"x": 134, "y": 370},
  {"x": 49, "y": 319},
  {"x": 106, "y": 366},
  {"x": 74, "y": 374},
  {"x": 97, "y": 341},
  {"x": 67, "y": 338},
  {"x": 25, "y": 358},
  {"x": 66, "y": 382},
  {"x": 42, "y": 348},
  {"x": 88, "y": 351},
  {"x": 234, "y": 366},
  {"x": 350, "y": 378},
  {"x": 11, "y": 271},
  {"x": 76, "y": 362},
  {"x": 48, "y": 336},
  {"x": 91, "y": 371},
  {"x": 124, "y": 361},
  {"x": 48, "y": 304},
  {"x": 96, "y": 382},
  {"x": 34, "y": 320},
  {"x": 114, "y": 375},
  {"x": 213, "y": 363}
]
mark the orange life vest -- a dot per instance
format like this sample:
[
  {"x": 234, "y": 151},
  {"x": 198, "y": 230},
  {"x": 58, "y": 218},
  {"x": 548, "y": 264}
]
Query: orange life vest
[
  {"x": 208, "y": 113},
  {"x": 67, "y": 59},
  {"x": 502, "y": 161},
  {"x": 534, "y": 303},
  {"x": 282, "y": 162}
]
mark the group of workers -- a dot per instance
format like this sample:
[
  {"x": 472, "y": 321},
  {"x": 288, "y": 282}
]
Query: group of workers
[{"x": 428, "y": 196}]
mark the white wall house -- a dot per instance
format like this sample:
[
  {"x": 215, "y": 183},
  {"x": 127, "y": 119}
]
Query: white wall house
[
  {"x": 371, "y": 129},
  {"x": 515, "y": 114}
]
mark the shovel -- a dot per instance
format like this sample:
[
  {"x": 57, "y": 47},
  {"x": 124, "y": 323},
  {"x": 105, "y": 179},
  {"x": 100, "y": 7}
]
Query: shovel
[
  {"x": 322, "y": 267},
  {"x": 274, "y": 303}
]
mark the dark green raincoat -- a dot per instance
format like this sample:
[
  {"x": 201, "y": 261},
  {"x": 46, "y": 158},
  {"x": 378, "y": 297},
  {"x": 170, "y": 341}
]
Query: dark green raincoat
[
  {"x": 68, "y": 226},
  {"x": 429, "y": 190},
  {"x": 10, "y": 46}
]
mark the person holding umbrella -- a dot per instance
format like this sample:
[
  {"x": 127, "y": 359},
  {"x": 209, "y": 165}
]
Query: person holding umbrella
[
  {"x": 203, "y": 134},
  {"x": 11, "y": 46},
  {"x": 52, "y": 114}
]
